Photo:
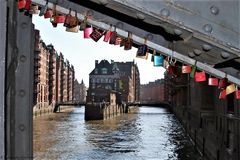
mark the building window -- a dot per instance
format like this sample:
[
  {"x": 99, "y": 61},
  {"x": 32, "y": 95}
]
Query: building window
[
  {"x": 104, "y": 70},
  {"x": 110, "y": 80}
]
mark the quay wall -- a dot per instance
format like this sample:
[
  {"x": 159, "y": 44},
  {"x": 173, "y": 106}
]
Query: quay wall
[{"x": 212, "y": 124}]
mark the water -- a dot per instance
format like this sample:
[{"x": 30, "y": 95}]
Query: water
[{"x": 150, "y": 134}]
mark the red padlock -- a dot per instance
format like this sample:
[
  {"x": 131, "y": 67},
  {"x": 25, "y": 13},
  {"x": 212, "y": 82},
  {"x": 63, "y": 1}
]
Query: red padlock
[
  {"x": 48, "y": 14},
  {"x": 21, "y": 4},
  {"x": 186, "y": 69},
  {"x": 223, "y": 83},
  {"x": 118, "y": 41},
  {"x": 87, "y": 32},
  {"x": 237, "y": 94},
  {"x": 107, "y": 36},
  {"x": 200, "y": 76},
  {"x": 28, "y": 5},
  {"x": 213, "y": 81},
  {"x": 222, "y": 94},
  {"x": 59, "y": 19}
]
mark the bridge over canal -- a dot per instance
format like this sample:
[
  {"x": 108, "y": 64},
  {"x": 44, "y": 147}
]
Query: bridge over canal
[{"x": 204, "y": 34}]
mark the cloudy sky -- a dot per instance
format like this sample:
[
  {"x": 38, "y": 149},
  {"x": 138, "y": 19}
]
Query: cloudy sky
[{"x": 82, "y": 53}]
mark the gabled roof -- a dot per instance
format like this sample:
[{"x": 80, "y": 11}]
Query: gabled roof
[{"x": 103, "y": 64}]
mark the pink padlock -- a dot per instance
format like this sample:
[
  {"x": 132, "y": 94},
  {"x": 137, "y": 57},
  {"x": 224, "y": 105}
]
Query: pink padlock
[
  {"x": 87, "y": 32},
  {"x": 107, "y": 36}
]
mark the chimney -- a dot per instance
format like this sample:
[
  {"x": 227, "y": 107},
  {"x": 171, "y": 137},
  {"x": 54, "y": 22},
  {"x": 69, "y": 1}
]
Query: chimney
[{"x": 96, "y": 63}]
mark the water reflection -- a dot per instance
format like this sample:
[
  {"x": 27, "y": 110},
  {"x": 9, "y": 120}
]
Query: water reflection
[{"x": 153, "y": 133}]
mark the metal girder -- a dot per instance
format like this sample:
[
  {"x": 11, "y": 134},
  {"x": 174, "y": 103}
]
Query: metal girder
[
  {"x": 139, "y": 33},
  {"x": 3, "y": 25},
  {"x": 19, "y": 85}
]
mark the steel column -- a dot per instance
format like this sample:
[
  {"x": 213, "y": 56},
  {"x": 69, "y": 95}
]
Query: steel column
[
  {"x": 3, "y": 24},
  {"x": 19, "y": 85}
]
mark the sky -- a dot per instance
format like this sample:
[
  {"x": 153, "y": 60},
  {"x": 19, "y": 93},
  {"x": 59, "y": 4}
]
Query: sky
[{"x": 82, "y": 53}]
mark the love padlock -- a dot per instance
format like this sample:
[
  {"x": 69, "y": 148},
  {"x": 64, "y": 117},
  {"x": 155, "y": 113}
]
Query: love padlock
[
  {"x": 158, "y": 60},
  {"x": 128, "y": 42},
  {"x": 21, "y": 4},
  {"x": 213, "y": 81},
  {"x": 48, "y": 14},
  {"x": 113, "y": 37},
  {"x": 87, "y": 31},
  {"x": 186, "y": 69},
  {"x": 200, "y": 76},
  {"x": 97, "y": 34},
  {"x": 67, "y": 19}
]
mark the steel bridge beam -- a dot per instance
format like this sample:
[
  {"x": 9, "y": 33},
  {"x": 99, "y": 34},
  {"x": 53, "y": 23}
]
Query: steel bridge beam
[
  {"x": 161, "y": 45},
  {"x": 3, "y": 25}
]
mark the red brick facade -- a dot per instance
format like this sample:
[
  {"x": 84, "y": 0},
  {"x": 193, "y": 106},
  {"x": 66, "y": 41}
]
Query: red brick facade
[
  {"x": 153, "y": 91},
  {"x": 53, "y": 77}
]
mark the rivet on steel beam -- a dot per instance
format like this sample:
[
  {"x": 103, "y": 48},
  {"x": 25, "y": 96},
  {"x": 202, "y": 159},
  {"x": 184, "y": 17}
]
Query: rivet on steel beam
[
  {"x": 140, "y": 16},
  {"x": 165, "y": 12},
  {"x": 21, "y": 93},
  {"x": 197, "y": 52},
  {"x": 191, "y": 54},
  {"x": 206, "y": 47},
  {"x": 225, "y": 55},
  {"x": 149, "y": 37},
  {"x": 23, "y": 58},
  {"x": 21, "y": 127},
  {"x": 208, "y": 28},
  {"x": 177, "y": 32},
  {"x": 103, "y": 2},
  {"x": 214, "y": 10},
  {"x": 23, "y": 25}
]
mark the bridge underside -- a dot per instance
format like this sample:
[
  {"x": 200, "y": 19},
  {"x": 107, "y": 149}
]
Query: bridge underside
[
  {"x": 201, "y": 32},
  {"x": 190, "y": 31}
]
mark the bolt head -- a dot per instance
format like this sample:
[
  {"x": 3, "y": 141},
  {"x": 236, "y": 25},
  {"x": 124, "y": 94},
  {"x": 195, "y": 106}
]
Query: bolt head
[
  {"x": 165, "y": 12},
  {"x": 208, "y": 28},
  {"x": 214, "y": 10}
]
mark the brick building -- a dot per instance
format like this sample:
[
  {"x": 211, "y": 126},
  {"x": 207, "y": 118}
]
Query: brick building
[
  {"x": 53, "y": 77},
  {"x": 115, "y": 76},
  {"x": 153, "y": 91}
]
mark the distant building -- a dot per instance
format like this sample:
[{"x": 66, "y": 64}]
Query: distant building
[
  {"x": 83, "y": 92},
  {"x": 80, "y": 91},
  {"x": 153, "y": 91},
  {"x": 115, "y": 76}
]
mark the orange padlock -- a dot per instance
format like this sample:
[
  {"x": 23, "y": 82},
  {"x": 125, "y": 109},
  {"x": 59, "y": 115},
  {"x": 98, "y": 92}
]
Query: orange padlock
[
  {"x": 186, "y": 69},
  {"x": 59, "y": 18}
]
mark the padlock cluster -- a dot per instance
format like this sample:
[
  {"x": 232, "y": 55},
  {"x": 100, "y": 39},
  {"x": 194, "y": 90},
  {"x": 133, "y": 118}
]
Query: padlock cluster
[{"x": 73, "y": 24}]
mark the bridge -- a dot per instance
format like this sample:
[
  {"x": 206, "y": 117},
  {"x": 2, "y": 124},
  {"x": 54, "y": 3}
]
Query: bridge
[
  {"x": 68, "y": 103},
  {"x": 204, "y": 34},
  {"x": 148, "y": 103}
]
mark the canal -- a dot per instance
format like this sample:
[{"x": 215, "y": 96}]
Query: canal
[{"x": 150, "y": 133}]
